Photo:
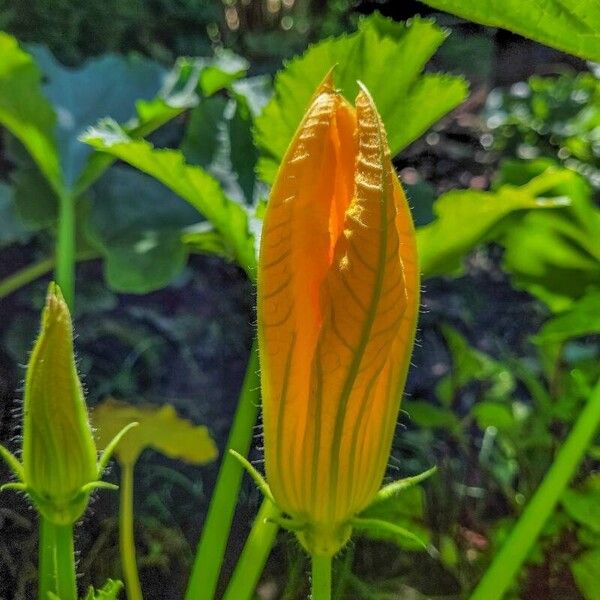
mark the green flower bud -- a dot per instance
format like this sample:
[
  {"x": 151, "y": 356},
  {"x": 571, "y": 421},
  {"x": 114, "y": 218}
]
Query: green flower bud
[
  {"x": 59, "y": 454},
  {"x": 59, "y": 465}
]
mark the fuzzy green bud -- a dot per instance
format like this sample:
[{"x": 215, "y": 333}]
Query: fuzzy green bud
[{"x": 59, "y": 454}]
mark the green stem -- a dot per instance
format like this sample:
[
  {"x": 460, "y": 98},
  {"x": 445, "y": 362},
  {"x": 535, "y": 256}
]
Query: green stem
[
  {"x": 126, "y": 537},
  {"x": 66, "y": 586},
  {"x": 46, "y": 568},
  {"x": 21, "y": 278},
  {"x": 254, "y": 555},
  {"x": 28, "y": 274},
  {"x": 215, "y": 532},
  {"x": 321, "y": 577},
  {"x": 508, "y": 561},
  {"x": 65, "y": 247}
]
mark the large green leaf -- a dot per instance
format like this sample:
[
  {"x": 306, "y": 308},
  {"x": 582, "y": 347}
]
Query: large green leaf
[
  {"x": 137, "y": 225},
  {"x": 25, "y": 111},
  {"x": 555, "y": 254},
  {"x": 572, "y": 26},
  {"x": 465, "y": 218},
  {"x": 191, "y": 183},
  {"x": 388, "y": 58},
  {"x": 106, "y": 86}
]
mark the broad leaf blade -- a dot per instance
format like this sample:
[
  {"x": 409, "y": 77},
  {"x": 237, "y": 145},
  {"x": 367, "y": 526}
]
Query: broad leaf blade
[
  {"x": 191, "y": 183},
  {"x": 137, "y": 225},
  {"x": 388, "y": 58},
  {"x": 159, "y": 427},
  {"x": 563, "y": 24},
  {"x": 466, "y": 217}
]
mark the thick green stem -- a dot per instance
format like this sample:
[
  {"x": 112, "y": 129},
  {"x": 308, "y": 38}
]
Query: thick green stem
[
  {"x": 46, "y": 567},
  {"x": 126, "y": 538},
  {"x": 66, "y": 586},
  {"x": 254, "y": 555},
  {"x": 215, "y": 532},
  {"x": 320, "y": 581},
  {"x": 65, "y": 247},
  {"x": 509, "y": 560}
]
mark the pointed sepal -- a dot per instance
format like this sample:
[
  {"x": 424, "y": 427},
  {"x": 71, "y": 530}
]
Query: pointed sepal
[
  {"x": 262, "y": 485},
  {"x": 108, "y": 451}
]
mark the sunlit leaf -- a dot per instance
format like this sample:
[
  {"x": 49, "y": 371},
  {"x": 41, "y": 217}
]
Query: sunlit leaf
[
  {"x": 191, "y": 183},
  {"x": 563, "y": 24},
  {"x": 159, "y": 428},
  {"x": 555, "y": 254},
  {"x": 465, "y": 218},
  {"x": 25, "y": 111},
  {"x": 388, "y": 58}
]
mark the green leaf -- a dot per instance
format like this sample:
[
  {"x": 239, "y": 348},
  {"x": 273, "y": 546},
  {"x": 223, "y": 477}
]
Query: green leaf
[
  {"x": 12, "y": 228},
  {"x": 586, "y": 571},
  {"x": 445, "y": 242},
  {"x": 582, "y": 318},
  {"x": 137, "y": 225},
  {"x": 104, "y": 86},
  {"x": 555, "y": 254},
  {"x": 25, "y": 111},
  {"x": 493, "y": 414},
  {"x": 221, "y": 71},
  {"x": 388, "y": 58},
  {"x": 563, "y": 24},
  {"x": 583, "y": 506},
  {"x": 469, "y": 364},
  {"x": 191, "y": 183},
  {"x": 109, "y": 591},
  {"x": 426, "y": 414}
]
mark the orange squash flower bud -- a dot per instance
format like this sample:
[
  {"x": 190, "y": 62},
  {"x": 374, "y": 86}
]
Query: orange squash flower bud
[{"x": 338, "y": 295}]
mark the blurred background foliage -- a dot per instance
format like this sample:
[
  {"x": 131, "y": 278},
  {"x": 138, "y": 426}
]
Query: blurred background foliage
[{"x": 508, "y": 340}]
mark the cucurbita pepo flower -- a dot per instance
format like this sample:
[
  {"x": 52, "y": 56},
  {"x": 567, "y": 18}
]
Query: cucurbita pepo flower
[
  {"x": 60, "y": 464},
  {"x": 338, "y": 295}
]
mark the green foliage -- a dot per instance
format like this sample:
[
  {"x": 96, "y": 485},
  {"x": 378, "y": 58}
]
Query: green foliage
[
  {"x": 137, "y": 227},
  {"x": 555, "y": 255},
  {"x": 553, "y": 117},
  {"x": 191, "y": 183},
  {"x": 24, "y": 110},
  {"x": 568, "y": 26},
  {"x": 444, "y": 242},
  {"x": 580, "y": 319},
  {"x": 381, "y": 52},
  {"x": 109, "y": 591}
]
